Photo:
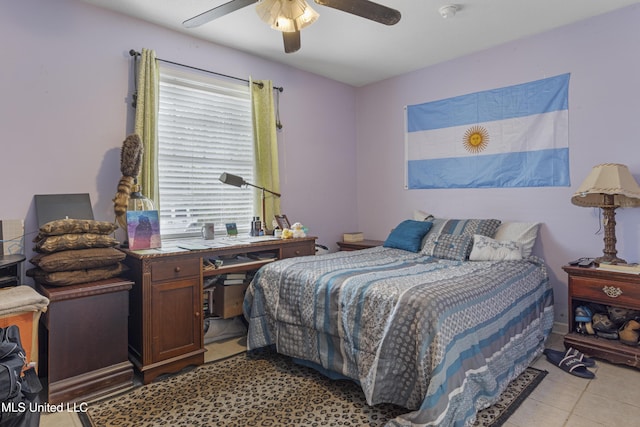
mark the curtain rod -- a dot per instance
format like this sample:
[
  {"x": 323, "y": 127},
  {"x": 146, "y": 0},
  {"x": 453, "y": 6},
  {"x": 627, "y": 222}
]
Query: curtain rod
[{"x": 132, "y": 52}]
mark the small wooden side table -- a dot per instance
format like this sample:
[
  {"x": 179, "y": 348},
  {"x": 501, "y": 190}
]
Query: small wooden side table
[
  {"x": 607, "y": 288},
  {"x": 10, "y": 269},
  {"x": 356, "y": 246}
]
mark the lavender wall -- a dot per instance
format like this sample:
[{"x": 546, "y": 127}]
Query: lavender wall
[
  {"x": 603, "y": 114},
  {"x": 66, "y": 80},
  {"x": 65, "y": 88}
]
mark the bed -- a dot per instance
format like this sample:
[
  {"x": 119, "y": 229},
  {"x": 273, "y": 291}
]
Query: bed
[{"x": 427, "y": 329}]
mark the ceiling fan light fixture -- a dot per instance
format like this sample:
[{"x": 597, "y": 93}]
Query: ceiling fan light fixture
[{"x": 286, "y": 15}]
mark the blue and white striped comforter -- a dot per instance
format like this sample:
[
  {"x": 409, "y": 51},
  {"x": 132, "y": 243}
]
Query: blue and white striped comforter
[{"x": 441, "y": 338}]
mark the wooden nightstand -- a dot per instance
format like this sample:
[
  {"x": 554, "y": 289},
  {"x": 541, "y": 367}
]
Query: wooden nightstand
[
  {"x": 356, "y": 246},
  {"x": 608, "y": 288}
]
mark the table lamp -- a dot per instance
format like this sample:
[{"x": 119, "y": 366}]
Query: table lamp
[
  {"x": 237, "y": 181},
  {"x": 608, "y": 186}
]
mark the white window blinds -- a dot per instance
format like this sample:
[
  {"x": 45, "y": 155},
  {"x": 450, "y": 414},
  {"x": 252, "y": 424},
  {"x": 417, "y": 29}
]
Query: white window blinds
[{"x": 204, "y": 129}]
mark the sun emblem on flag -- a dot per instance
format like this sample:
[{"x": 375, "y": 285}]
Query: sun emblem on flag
[{"x": 476, "y": 139}]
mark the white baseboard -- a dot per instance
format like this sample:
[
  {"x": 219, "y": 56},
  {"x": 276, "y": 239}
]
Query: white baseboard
[{"x": 560, "y": 328}]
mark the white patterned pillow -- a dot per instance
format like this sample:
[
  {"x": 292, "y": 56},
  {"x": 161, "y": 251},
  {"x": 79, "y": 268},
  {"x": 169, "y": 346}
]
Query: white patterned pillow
[
  {"x": 524, "y": 233},
  {"x": 488, "y": 249}
]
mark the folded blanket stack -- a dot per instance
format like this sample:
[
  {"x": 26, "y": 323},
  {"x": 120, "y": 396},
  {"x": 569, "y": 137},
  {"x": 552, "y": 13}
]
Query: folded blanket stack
[
  {"x": 73, "y": 251},
  {"x": 18, "y": 299}
]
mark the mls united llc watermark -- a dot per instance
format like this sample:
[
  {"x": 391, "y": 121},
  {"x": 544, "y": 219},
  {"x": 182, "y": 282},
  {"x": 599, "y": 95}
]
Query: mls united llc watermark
[{"x": 19, "y": 407}]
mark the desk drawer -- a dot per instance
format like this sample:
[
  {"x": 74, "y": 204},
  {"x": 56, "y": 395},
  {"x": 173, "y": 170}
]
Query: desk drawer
[
  {"x": 298, "y": 249},
  {"x": 175, "y": 269},
  {"x": 609, "y": 292}
]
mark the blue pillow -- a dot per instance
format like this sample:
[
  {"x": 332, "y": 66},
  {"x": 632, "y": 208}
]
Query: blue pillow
[{"x": 408, "y": 235}]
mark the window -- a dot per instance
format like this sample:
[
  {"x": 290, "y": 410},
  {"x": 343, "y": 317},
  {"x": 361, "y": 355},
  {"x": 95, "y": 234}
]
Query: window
[{"x": 204, "y": 129}]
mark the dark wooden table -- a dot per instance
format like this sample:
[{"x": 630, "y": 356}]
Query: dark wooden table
[{"x": 83, "y": 340}]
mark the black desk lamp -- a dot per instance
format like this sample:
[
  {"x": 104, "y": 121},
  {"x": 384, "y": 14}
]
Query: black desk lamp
[{"x": 237, "y": 181}]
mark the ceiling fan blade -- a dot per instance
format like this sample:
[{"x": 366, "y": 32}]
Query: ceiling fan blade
[
  {"x": 365, "y": 9},
  {"x": 217, "y": 12},
  {"x": 291, "y": 41}
]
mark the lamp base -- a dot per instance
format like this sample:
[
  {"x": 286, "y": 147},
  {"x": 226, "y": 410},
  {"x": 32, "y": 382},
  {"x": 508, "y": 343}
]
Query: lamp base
[
  {"x": 609, "y": 213},
  {"x": 609, "y": 260}
]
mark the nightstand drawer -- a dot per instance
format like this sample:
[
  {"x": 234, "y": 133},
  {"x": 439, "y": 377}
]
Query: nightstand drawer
[
  {"x": 298, "y": 249},
  {"x": 617, "y": 293},
  {"x": 168, "y": 270}
]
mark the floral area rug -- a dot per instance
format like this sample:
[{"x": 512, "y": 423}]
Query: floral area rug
[{"x": 266, "y": 389}]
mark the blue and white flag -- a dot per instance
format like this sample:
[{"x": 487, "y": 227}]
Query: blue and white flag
[{"x": 516, "y": 136}]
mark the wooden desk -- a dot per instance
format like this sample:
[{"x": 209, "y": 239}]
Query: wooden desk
[
  {"x": 166, "y": 325},
  {"x": 83, "y": 340}
]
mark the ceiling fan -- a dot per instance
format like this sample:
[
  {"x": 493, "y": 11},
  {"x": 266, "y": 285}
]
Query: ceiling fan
[{"x": 290, "y": 16}]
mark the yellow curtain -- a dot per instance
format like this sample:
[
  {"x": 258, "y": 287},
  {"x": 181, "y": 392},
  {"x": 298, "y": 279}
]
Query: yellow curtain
[
  {"x": 146, "y": 124},
  {"x": 266, "y": 148}
]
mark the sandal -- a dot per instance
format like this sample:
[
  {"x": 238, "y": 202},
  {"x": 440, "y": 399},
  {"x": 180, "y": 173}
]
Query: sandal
[
  {"x": 572, "y": 352},
  {"x": 589, "y": 362},
  {"x": 588, "y": 326},
  {"x": 621, "y": 315},
  {"x": 630, "y": 333},
  {"x": 583, "y": 314},
  {"x": 569, "y": 364},
  {"x": 585, "y": 328},
  {"x": 608, "y": 335},
  {"x": 602, "y": 323}
]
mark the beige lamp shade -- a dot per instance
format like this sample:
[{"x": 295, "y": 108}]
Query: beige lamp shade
[
  {"x": 608, "y": 179},
  {"x": 286, "y": 15}
]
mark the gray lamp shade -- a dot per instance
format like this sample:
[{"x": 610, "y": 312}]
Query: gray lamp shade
[{"x": 608, "y": 179}]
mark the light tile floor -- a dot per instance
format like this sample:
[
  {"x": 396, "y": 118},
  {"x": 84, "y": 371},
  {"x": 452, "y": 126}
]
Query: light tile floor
[{"x": 612, "y": 399}]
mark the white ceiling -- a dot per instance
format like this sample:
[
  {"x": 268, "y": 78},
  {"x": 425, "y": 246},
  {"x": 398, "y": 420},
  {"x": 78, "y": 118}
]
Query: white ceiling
[{"x": 356, "y": 51}]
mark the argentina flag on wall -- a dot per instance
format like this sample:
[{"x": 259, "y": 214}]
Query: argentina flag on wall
[{"x": 516, "y": 136}]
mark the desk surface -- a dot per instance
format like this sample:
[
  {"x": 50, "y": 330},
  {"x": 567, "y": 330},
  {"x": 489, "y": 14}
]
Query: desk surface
[
  {"x": 7, "y": 260},
  {"x": 220, "y": 245}
]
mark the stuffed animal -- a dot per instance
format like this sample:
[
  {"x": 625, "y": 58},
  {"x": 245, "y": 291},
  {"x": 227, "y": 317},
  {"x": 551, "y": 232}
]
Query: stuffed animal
[
  {"x": 130, "y": 164},
  {"x": 298, "y": 230}
]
